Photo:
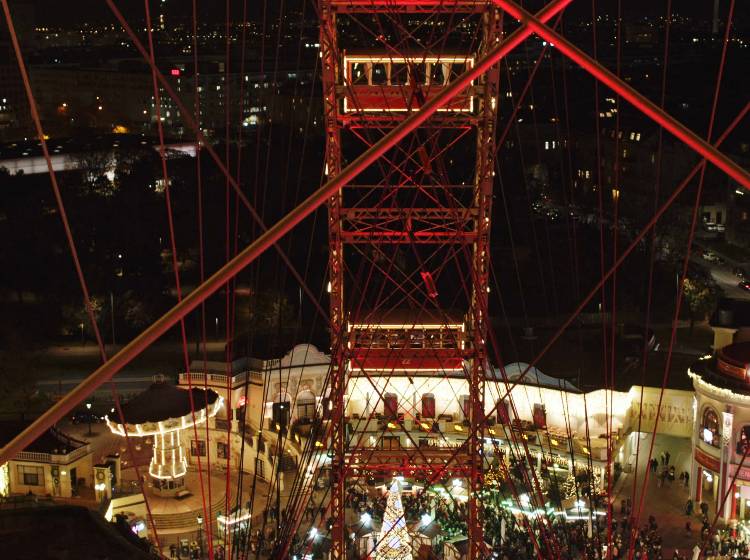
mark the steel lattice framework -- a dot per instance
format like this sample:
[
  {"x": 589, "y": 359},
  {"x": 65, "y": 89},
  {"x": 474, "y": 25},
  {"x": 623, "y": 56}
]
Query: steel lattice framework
[{"x": 378, "y": 218}]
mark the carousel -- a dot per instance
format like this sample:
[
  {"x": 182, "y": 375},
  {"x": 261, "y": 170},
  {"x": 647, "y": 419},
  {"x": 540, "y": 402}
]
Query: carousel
[
  {"x": 162, "y": 412},
  {"x": 164, "y": 417}
]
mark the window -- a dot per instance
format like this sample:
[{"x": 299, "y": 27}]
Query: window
[
  {"x": 399, "y": 74},
  {"x": 280, "y": 414},
  {"x": 437, "y": 74},
  {"x": 502, "y": 413},
  {"x": 379, "y": 75},
  {"x": 391, "y": 442},
  {"x": 390, "y": 405},
  {"x": 261, "y": 444},
  {"x": 221, "y": 450},
  {"x": 743, "y": 440},
  {"x": 465, "y": 406},
  {"x": 428, "y": 405},
  {"x": 420, "y": 72},
  {"x": 359, "y": 73},
  {"x": 197, "y": 448},
  {"x": 458, "y": 68},
  {"x": 306, "y": 409},
  {"x": 540, "y": 416},
  {"x": 31, "y": 476},
  {"x": 710, "y": 428}
]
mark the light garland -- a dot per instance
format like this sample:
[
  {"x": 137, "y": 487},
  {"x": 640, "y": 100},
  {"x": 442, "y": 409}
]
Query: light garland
[
  {"x": 165, "y": 426},
  {"x": 168, "y": 461},
  {"x": 715, "y": 391}
]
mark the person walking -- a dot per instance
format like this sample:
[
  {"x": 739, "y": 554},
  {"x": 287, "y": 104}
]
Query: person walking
[
  {"x": 704, "y": 509},
  {"x": 666, "y": 458},
  {"x": 687, "y": 479},
  {"x": 689, "y": 507}
]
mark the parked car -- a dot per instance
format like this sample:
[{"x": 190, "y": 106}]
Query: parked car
[{"x": 739, "y": 272}]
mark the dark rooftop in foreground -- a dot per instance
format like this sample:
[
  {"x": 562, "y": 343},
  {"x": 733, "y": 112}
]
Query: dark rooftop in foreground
[
  {"x": 52, "y": 441},
  {"x": 57, "y": 532},
  {"x": 162, "y": 401}
]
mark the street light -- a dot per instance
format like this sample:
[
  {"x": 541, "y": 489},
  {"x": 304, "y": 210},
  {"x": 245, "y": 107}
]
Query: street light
[
  {"x": 199, "y": 519},
  {"x": 88, "y": 407}
]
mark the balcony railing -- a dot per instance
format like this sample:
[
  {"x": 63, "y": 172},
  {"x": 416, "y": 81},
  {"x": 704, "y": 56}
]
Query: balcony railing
[
  {"x": 36, "y": 457},
  {"x": 198, "y": 379}
]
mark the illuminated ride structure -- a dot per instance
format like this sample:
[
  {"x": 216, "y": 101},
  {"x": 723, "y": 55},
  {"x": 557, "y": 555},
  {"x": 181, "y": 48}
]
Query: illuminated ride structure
[
  {"x": 406, "y": 106},
  {"x": 163, "y": 412},
  {"x": 409, "y": 238}
]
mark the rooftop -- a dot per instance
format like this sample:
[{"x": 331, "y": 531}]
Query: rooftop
[
  {"x": 68, "y": 532},
  {"x": 162, "y": 401},
  {"x": 52, "y": 441}
]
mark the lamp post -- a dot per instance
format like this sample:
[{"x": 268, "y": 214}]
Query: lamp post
[
  {"x": 199, "y": 519},
  {"x": 88, "y": 416}
]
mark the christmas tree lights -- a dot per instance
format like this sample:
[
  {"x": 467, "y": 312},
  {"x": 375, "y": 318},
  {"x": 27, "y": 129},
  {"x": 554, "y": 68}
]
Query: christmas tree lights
[{"x": 394, "y": 542}]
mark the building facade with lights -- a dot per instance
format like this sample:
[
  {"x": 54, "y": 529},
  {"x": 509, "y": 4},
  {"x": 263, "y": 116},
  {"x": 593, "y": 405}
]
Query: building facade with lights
[
  {"x": 54, "y": 465},
  {"x": 721, "y": 435},
  {"x": 424, "y": 407}
]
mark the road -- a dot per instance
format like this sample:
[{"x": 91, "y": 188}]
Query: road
[
  {"x": 725, "y": 278},
  {"x": 57, "y": 369},
  {"x": 728, "y": 282}
]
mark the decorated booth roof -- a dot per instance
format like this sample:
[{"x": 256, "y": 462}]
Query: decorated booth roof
[
  {"x": 515, "y": 370},
  {"x": 162, "y": 401}
]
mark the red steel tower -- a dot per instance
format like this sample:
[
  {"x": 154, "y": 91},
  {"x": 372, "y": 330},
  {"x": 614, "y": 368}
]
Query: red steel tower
[{"x": 409, "y": 242}]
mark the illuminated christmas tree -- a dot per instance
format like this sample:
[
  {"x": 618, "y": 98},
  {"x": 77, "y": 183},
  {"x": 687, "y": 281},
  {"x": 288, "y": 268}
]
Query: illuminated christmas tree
[{"x": 394, "y": 542}]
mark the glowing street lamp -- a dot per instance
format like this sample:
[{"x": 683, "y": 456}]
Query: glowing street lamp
[
  {"x": 88, "y": 408},
  {"x": 199, "y": 519}
]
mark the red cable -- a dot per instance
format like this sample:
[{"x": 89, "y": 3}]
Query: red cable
[
  {"x": 686, "y": 261},
  {"x": 652, "y": 260},
  {"x": 173, "y": 246},
  {"x": 202, "y": 269},
  {"x": 72, "y": 247}
]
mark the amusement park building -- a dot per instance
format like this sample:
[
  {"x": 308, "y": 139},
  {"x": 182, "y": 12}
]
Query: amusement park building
[
  {"x": 426, "y": 409},
  {"x": 419, "y": 409}
]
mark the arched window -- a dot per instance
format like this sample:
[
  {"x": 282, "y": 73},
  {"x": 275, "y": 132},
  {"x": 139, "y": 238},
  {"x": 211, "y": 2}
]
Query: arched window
[
  {"x": 743, "y": 440},
  {"x": 710, "y": 427}
]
